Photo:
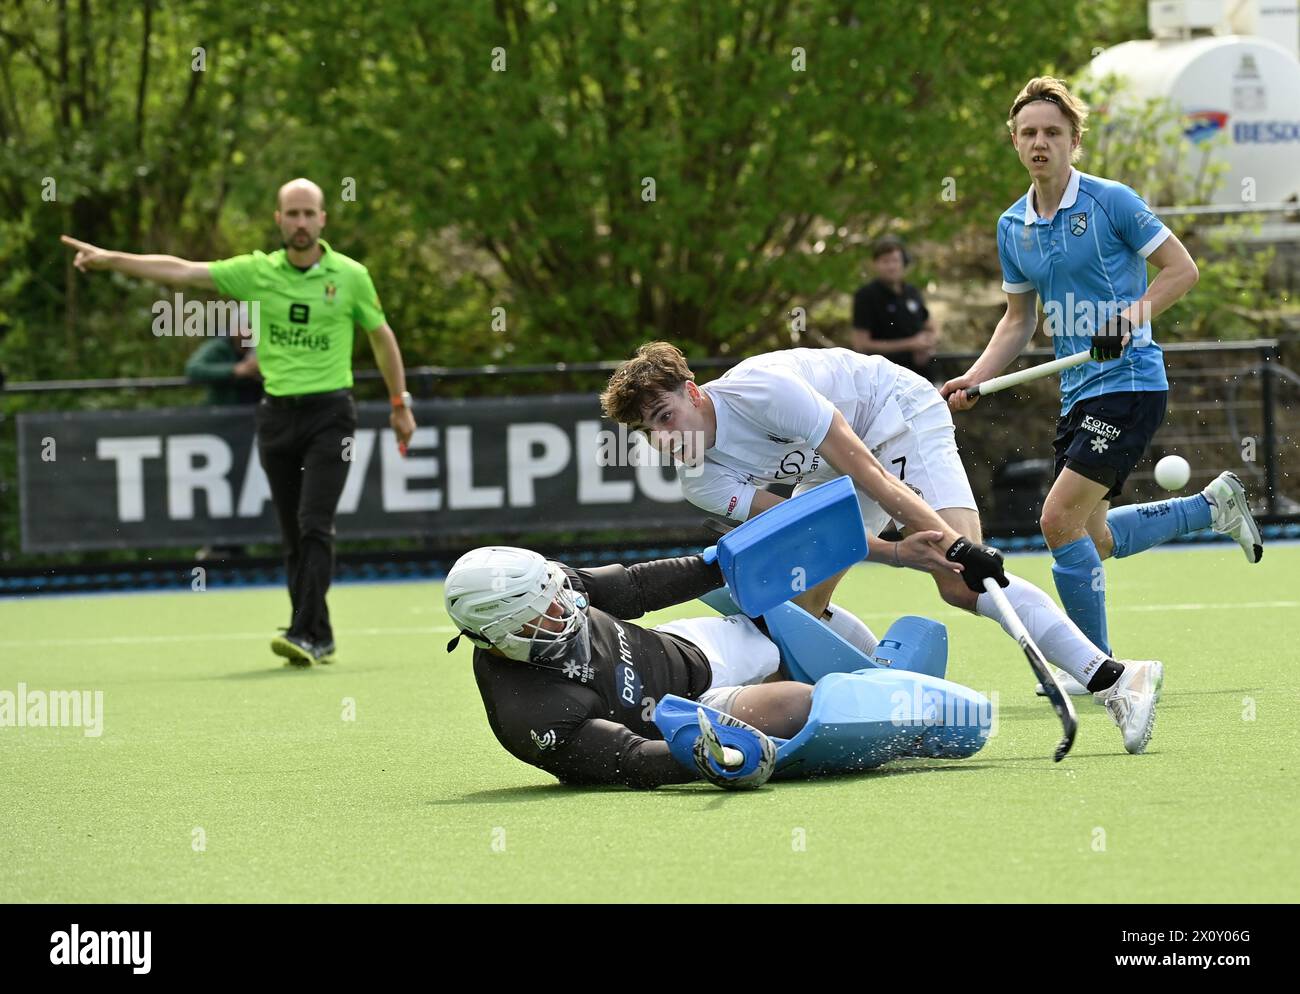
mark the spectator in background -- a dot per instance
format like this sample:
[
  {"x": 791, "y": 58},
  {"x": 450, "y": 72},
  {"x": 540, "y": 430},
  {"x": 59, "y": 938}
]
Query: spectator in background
[
  {"x": 889, "y": 316},
  {"x": 227, "y": 364}
]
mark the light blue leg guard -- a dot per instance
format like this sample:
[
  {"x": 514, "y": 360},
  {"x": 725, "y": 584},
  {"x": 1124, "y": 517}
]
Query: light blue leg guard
[
  {"x": 810, "y": 650},
  {"x": 859, "y": 721},
  {"x": 918, "y": 645}
]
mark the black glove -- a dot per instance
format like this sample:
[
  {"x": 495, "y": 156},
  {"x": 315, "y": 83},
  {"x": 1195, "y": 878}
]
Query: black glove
[
  {"x": 1109, "y": 342},
  {"x": 979, "y": 561}
]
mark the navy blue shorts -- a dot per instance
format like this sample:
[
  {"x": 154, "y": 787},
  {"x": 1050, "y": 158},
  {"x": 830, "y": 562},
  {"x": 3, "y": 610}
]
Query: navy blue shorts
[{"x": 1103, "y": 438}]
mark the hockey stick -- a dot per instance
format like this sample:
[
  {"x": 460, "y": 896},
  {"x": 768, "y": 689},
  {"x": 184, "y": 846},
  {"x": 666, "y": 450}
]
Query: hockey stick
[
  {"x": 1008, "y": 380},
  {"x": 1060, "y": 700}
]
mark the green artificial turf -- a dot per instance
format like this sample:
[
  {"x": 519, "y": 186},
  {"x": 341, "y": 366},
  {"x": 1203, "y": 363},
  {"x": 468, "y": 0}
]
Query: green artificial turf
[{"x": 222, "y": 776}]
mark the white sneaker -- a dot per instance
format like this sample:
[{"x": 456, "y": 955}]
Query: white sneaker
[
  {"x": 1131, "y": 701},
  {"x": 1232, "y": 516},
  {"x": 1068, "y": 683}
]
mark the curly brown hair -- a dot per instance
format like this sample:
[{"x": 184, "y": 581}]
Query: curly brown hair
[{"x": 657, "y": 368}]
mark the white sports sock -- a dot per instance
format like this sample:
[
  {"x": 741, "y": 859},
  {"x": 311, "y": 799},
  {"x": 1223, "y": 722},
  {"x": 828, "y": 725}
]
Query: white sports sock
[
  {"x": 848, "y": 627},
  {"x": 1056, "y": 635}
]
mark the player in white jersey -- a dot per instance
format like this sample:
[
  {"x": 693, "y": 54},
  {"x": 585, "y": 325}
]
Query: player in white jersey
[{"x": 805, "y": 416}]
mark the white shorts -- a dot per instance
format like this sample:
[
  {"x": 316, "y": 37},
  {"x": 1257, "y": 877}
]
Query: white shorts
[
  {"x": 739, "y": 654},
  {"x": 925, "y": 458},
  {"x": 722, "y": 699}
]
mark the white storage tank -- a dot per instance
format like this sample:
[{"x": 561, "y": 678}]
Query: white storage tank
[{"x": 1243, "y": 87}]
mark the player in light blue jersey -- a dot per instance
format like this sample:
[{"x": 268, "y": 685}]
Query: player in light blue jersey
[{"x": 1082, "y": 244}]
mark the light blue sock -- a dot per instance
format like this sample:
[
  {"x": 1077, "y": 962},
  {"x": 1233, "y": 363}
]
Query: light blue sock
[
  {"x": 1082, "y": 588},
  {"x": 1137, "y": 527}
]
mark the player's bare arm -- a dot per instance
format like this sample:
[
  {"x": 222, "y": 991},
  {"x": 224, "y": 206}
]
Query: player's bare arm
[
  {"x": 388, "y": 357},
  {"x": 1010, "y": 337},
  {"x": 1177, "y": 274},
  {"x": 844, "y": 450},
  {"x": 156, "y": 268}
]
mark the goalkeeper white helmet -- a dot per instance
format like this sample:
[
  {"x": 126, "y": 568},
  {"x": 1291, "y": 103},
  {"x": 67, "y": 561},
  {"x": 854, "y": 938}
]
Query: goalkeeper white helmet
[{"x": 519, "y": 603}]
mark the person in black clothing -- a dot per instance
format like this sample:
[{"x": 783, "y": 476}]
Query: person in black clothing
[
  {"x": 570, "y": 684},
  {"x": 889, "y": 316}
]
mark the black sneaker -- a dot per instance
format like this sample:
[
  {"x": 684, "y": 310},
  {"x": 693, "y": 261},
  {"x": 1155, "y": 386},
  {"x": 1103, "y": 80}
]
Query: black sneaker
[
  {"x": 296, "y": 650},
  {"x": 324, "y": 652}
]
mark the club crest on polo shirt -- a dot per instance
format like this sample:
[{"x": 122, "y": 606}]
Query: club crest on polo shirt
[
  {"x": 1079, "y": 223},
  {"x": 331, "y": 290}
]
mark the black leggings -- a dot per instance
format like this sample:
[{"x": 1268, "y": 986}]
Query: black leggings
[{"x": 304, "y": 450}]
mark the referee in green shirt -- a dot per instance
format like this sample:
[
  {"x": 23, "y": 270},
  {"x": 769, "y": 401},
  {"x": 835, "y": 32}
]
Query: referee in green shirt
[{"x": 310, "y": 297}]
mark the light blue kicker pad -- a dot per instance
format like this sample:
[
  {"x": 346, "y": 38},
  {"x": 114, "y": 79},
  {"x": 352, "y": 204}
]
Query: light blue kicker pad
[
  {"x": 810, "y": 650},
  {"x": 793, "y": 546},
  {"x": 919, "y": 645},
  {"x": 859, "y": 721}
]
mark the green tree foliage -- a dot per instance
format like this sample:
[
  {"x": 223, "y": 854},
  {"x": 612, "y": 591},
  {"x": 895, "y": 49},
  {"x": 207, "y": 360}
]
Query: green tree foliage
[
  {"x": 526, "y": 180},
  {"x": 771, "y": 136}
]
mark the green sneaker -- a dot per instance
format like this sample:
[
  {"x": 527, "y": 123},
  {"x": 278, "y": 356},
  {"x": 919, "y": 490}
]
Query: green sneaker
[{"x": 296, "y": 650}]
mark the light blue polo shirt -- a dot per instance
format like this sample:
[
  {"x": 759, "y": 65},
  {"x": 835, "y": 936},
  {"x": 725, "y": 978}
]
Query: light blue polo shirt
[{"x": 1086, "y": 264}]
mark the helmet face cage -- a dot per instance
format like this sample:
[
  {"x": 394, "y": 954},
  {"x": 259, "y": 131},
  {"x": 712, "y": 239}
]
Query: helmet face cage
[{"x": 519, "y": 635}]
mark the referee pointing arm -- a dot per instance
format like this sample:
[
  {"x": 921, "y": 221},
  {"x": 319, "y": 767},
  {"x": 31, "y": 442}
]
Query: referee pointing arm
[{"x": 310, "y": 297}]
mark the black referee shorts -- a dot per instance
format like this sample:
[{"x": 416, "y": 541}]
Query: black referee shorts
[{"x": 1103, "y": 438}]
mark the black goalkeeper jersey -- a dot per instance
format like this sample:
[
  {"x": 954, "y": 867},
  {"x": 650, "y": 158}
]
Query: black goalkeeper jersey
[{"x": 593, "y": 724}]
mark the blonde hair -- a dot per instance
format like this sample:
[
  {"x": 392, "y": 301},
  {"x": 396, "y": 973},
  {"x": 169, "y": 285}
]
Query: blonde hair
[
  {"x": 1054, "y": 91},
  {"x": 657, "y": 368}
]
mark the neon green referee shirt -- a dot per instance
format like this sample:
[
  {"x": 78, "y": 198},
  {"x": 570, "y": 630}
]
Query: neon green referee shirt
[{"x": 304, "y": 328}]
